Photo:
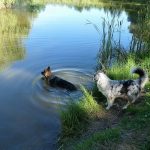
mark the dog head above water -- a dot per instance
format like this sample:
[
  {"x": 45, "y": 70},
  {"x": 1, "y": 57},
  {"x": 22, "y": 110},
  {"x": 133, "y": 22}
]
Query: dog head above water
[{"x": 47, "y": 72}]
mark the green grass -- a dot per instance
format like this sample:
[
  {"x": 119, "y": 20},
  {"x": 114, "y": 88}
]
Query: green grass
[
  {"x": 117, "y": 62},
  {"x": 120, "y": 71},
  {"x": 135, "y": 121},
  {"x": 89, "y": 104},
  {"x": 73, "y": 119},
  {"x": 99, "y": 139},
  {"x": 77, "y": 115},
  {"x": 146, "y": 146}
]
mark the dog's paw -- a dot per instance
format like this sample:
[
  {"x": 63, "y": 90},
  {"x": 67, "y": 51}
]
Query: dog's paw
[
  {"x": 133, "y": 101},
  {"x": 107, "y": 108},
  {"x": 125, "y": 107}
]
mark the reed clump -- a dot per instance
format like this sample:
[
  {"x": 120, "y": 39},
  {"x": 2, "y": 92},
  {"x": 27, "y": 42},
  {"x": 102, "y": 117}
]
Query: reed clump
[{"x": 77, "y": 115}]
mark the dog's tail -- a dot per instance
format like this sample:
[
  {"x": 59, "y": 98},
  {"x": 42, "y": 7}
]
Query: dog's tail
[{"x": 143, "y": 76}]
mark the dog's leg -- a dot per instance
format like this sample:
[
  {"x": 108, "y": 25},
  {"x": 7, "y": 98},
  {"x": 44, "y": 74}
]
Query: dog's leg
[
  {"x": 128, "y": 103},
  {"x": 110, "y": 103},
  {"x": 135, "y": 98},
  {"x": 131, "y": 99}
]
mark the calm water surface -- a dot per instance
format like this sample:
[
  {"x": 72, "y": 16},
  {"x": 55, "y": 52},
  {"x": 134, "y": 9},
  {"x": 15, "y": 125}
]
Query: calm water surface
[{"x": 58, "y": 36}]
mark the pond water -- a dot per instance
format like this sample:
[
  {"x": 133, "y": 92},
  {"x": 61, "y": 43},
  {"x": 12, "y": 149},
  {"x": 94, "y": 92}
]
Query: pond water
[{"x": 56, "y": 36}]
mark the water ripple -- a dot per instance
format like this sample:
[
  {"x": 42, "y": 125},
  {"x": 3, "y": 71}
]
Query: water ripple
[{"x": 44, "y": 95}]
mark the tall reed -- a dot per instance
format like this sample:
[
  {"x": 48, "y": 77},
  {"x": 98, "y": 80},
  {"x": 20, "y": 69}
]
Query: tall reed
[{"x": 112, "y": 55}]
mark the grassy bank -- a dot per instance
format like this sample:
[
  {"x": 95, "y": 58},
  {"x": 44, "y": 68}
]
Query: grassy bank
[
  {"x": 114, "y": 129},
  {"x": 92, "y": 127},
  {"x": 99, "y": 139},
  {"x": 78, "y": 114},
  {"x": 130, "y": 131}
]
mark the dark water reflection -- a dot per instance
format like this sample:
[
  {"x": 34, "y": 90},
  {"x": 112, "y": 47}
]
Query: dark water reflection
[{"x": 58, "y": 36}]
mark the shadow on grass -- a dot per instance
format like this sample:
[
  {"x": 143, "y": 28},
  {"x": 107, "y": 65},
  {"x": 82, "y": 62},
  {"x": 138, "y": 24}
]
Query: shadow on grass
[{"x": 99, "y": 140}]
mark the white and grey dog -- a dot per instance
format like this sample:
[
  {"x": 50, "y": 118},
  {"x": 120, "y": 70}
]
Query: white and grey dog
[{"x": 126, "y": 89}]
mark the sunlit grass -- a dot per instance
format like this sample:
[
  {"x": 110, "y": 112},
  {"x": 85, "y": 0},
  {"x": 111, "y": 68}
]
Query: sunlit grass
[
  {"x": 78, "y": 114},
  {"x": 122, "y": 71}
]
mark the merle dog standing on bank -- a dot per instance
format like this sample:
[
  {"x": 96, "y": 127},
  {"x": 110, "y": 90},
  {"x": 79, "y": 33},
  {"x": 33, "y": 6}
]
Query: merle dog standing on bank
[
  {"x": 126, "y": 89},
  {"x": 55, "y": 81}
]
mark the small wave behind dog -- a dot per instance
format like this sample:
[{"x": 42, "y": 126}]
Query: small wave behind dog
[{"x": 44, "y": 95}]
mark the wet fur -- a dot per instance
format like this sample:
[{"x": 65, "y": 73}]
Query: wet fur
[
  {"x": 55, "y": 81},
  {"x": 126, "y": 89}
]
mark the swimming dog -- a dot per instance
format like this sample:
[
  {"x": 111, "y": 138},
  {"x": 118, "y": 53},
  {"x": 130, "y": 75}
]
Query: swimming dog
[
  {"x": 55, "y": 81},
  {"x": 126, "y": 89}
]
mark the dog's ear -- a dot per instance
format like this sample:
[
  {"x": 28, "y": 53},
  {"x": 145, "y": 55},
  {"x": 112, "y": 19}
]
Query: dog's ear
[
  {"x": 42, "y": 72},
  {"x": 48, "y": 68}
]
